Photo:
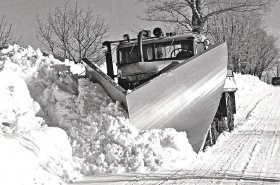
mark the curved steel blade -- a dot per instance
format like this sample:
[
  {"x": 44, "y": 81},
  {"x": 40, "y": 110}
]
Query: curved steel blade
[{"x": 185, "y": 98}]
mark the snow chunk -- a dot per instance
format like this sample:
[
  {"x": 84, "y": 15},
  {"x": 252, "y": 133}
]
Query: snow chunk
[{"x": 17, "y": 108}]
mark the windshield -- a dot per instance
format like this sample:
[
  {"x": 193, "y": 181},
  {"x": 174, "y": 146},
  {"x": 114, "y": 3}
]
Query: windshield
[{"x": 157, "y": 51}]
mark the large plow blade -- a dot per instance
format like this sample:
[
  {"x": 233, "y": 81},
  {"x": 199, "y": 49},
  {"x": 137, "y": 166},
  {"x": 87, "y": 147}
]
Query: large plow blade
[{"x": 185, "y": 98}]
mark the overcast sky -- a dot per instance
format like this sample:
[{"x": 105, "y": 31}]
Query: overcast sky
[
  {"x": 121, "y": 15},
  {"x": 273, "y": 20}
]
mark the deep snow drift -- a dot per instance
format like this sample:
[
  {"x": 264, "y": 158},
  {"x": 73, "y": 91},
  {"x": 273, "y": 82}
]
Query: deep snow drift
[{"x": 89, "y": 133}]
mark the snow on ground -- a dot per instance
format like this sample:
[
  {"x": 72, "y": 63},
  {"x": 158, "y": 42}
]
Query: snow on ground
[
  {"x": 250, "y": 92},
  {"x": 89, "y": 133},
  {"x": 31, "y": 152},
  {"x": 56, "y": 125}
]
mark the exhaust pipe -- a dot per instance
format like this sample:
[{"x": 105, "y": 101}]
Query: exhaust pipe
[
  {"x": 141, "y": 34},
  {"x": 109, "y": 61},
  {"x": 140, "y": 38}
]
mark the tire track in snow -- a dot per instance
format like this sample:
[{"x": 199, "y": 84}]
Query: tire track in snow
[
  {"x": 268, "y": 144},
  {"x": 254, "y": 107},
  {"x": 250, "y": 141}
]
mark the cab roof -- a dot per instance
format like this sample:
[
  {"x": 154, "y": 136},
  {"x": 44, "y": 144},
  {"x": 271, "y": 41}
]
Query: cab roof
[{"x": 152, "y": 40}]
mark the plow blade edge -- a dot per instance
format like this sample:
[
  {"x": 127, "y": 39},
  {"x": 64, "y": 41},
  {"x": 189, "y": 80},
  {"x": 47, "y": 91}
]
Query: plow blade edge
[{"x": 116, "y": 92}]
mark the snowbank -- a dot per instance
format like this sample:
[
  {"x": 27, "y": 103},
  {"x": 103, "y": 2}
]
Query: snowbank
[
  {"x": 39, "y": 156},
  {"x": 38, "y": 92},
  {"x": 250, "y": 92},
  {"x": 30, "y": 152}
]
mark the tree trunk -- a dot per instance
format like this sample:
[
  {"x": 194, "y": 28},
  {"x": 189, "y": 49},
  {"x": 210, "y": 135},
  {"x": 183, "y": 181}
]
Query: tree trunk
[
  {"x": 277, "y": 70},
  {"x": 197, "y": 22},
  {"x": 260, "y": 75}
]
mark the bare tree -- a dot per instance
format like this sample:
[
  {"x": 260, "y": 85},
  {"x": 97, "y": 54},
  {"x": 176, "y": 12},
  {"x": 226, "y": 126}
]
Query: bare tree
[
  {"x": 193, "y": 14},
  {"x": 6, "y": 36},
  {"x": 267, "y": 54},
  {"x": 238, "y": 29},
  {"x": 251, "y": 50},
  {"x": 73, "y": 33}
]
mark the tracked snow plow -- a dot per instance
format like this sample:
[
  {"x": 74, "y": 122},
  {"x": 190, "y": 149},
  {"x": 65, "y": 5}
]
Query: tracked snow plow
[{"x": 168, "y": 81}]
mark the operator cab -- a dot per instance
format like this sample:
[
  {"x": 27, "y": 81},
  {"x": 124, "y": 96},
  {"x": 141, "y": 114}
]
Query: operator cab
[
  {"x": 154, "y": 51},
  {"x": 139, "y": 60}
]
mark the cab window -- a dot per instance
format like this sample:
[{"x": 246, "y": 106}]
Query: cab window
[
  {"x": 199, "y": 47},
  {"x": 153, "y": 52},
  {"x": 128, "y": 55},
  {"x": 170, "y": 50},
  {"x": 147, "y": 53}
]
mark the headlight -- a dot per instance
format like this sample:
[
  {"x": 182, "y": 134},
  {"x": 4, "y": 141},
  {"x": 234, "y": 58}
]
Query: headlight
[
  {"x": 206, "y": 42},
  {"x": 119, "y": 74},
  {"x": 104, "y": 49}
]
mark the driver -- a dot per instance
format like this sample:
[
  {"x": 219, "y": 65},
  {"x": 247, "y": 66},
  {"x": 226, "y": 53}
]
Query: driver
[{"x": 185, "y": 52}]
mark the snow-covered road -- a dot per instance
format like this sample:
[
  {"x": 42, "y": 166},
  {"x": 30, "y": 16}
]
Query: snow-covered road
[{"x": 249, "y": 155}]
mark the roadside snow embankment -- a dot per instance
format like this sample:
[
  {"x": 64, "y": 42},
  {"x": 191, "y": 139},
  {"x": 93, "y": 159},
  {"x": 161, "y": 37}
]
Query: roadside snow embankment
[
  {"x": 250, "y": 92},
  {"x": 31, "y": 152},
  {"x": 38, "y": 92}
]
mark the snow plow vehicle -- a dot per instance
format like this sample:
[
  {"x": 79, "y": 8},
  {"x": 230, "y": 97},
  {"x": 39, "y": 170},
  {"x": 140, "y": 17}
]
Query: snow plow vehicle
[{"x": 171, "y": 82}]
